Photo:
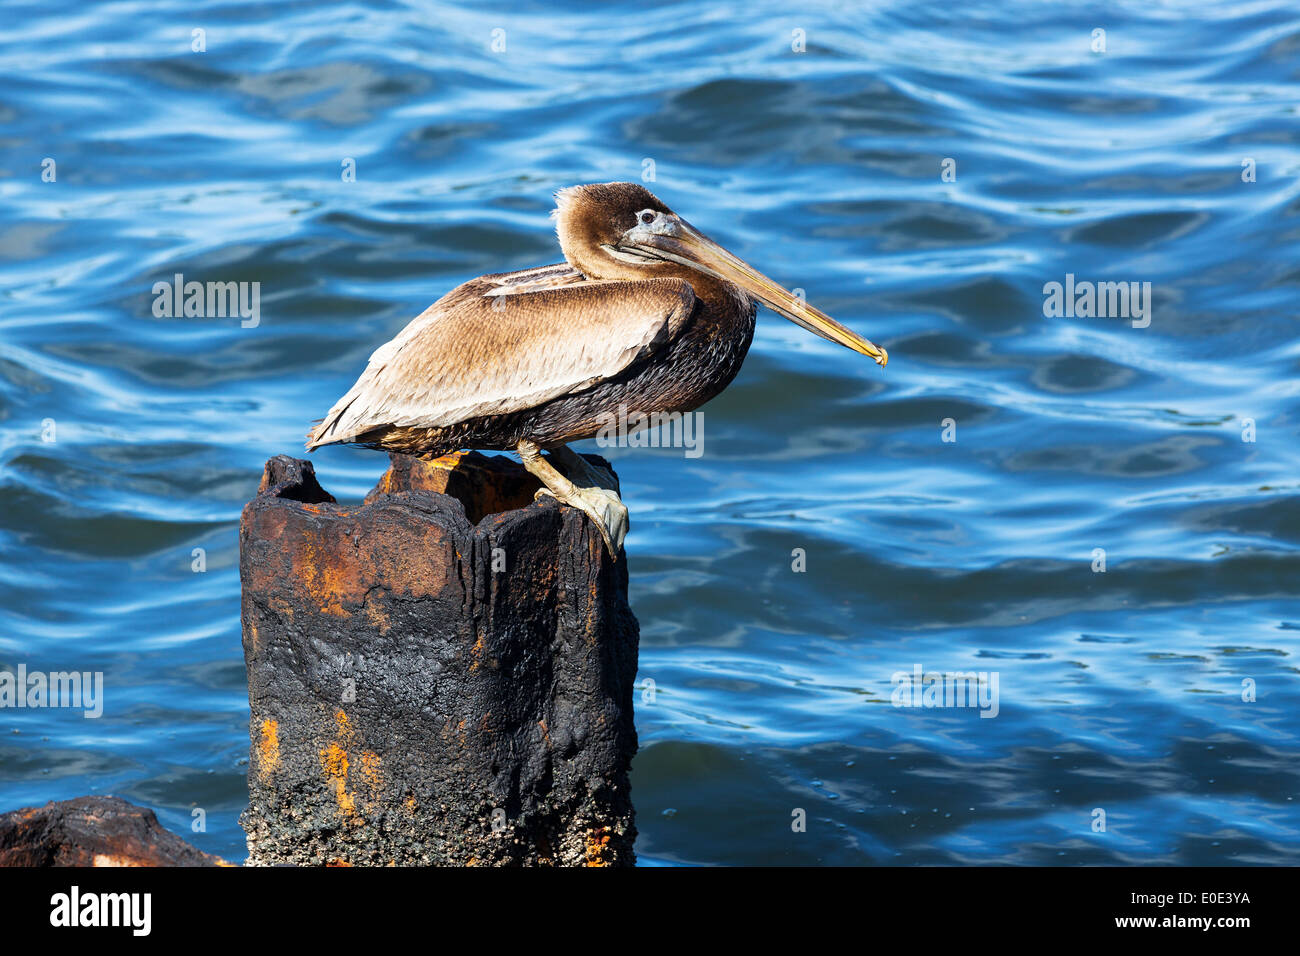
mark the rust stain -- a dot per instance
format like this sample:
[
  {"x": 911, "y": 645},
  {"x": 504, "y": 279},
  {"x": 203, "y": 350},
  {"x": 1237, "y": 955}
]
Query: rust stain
[
  {"x": 330, "y": 576},
  {"x": 332, "y": 511},
  {"x": 592, "y": 610},
  {"x": 338, "y": 862},
  {"x": 483, "y": 486},
  {"x": 335, "y": 762},
  {"x": 458, "y": 731},
  {"x": 268, "y": 750},
  {"x": 598, "y": 851},
  {"x": 378, "y": 618},
  {"x": 373, "y": 774},
  {"x": 343, "y": 723},
  {"x": 282, "y": 608},
  {"x": 270, "y": 527}
]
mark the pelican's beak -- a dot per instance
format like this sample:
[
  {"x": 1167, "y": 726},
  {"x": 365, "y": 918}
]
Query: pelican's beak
[{"x": 679, "y": 241}]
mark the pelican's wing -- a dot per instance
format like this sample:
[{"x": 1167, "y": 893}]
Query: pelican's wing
[{"x": 504, "y": 343}]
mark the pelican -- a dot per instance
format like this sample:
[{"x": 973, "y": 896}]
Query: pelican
[{"x": 645, "y": 312}]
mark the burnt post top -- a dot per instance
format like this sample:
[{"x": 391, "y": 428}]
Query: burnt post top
[
  {"x": 483, "y": 486},
  {"x": 441, "y": 674}
]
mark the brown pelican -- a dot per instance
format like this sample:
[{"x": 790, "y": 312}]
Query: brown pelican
[{"x": 645, "y": 313}]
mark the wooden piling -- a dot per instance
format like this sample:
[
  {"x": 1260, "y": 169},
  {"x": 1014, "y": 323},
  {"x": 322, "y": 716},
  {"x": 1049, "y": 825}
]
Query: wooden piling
[{"x": 442, "y": 674}]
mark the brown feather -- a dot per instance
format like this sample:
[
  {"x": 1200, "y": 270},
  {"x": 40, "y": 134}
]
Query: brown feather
[
  {"x": 499, "y": 344},
  {"x": 548, "y": 354}
]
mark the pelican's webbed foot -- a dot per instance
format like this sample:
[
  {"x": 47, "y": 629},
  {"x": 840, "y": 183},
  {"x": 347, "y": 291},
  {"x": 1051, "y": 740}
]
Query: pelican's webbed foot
[
  {"x": 603, "y": 507},
  {"x": 595, "y": 495}
]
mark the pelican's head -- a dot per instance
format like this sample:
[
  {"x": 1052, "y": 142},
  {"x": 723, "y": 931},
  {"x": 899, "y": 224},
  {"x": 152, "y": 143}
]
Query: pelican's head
[{"x": 623, "y": 231}]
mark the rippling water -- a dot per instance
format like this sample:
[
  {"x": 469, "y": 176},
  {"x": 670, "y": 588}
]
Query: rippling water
[{"x": 1120, "y": 691}]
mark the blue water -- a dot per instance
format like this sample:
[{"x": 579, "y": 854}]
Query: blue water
[{"x": 1119, "y": 691}]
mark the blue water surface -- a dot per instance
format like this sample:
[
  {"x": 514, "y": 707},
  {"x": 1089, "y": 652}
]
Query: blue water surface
[{"x": 921, "y": 170}]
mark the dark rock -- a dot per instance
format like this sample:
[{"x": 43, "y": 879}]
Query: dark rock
[
  {"x": 429, "y": 691},
  {"x": 93, "y": 831}
]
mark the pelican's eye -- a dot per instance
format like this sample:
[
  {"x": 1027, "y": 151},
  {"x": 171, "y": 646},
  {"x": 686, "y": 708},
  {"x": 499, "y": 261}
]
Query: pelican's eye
[{"x": 647, "y": 216}]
